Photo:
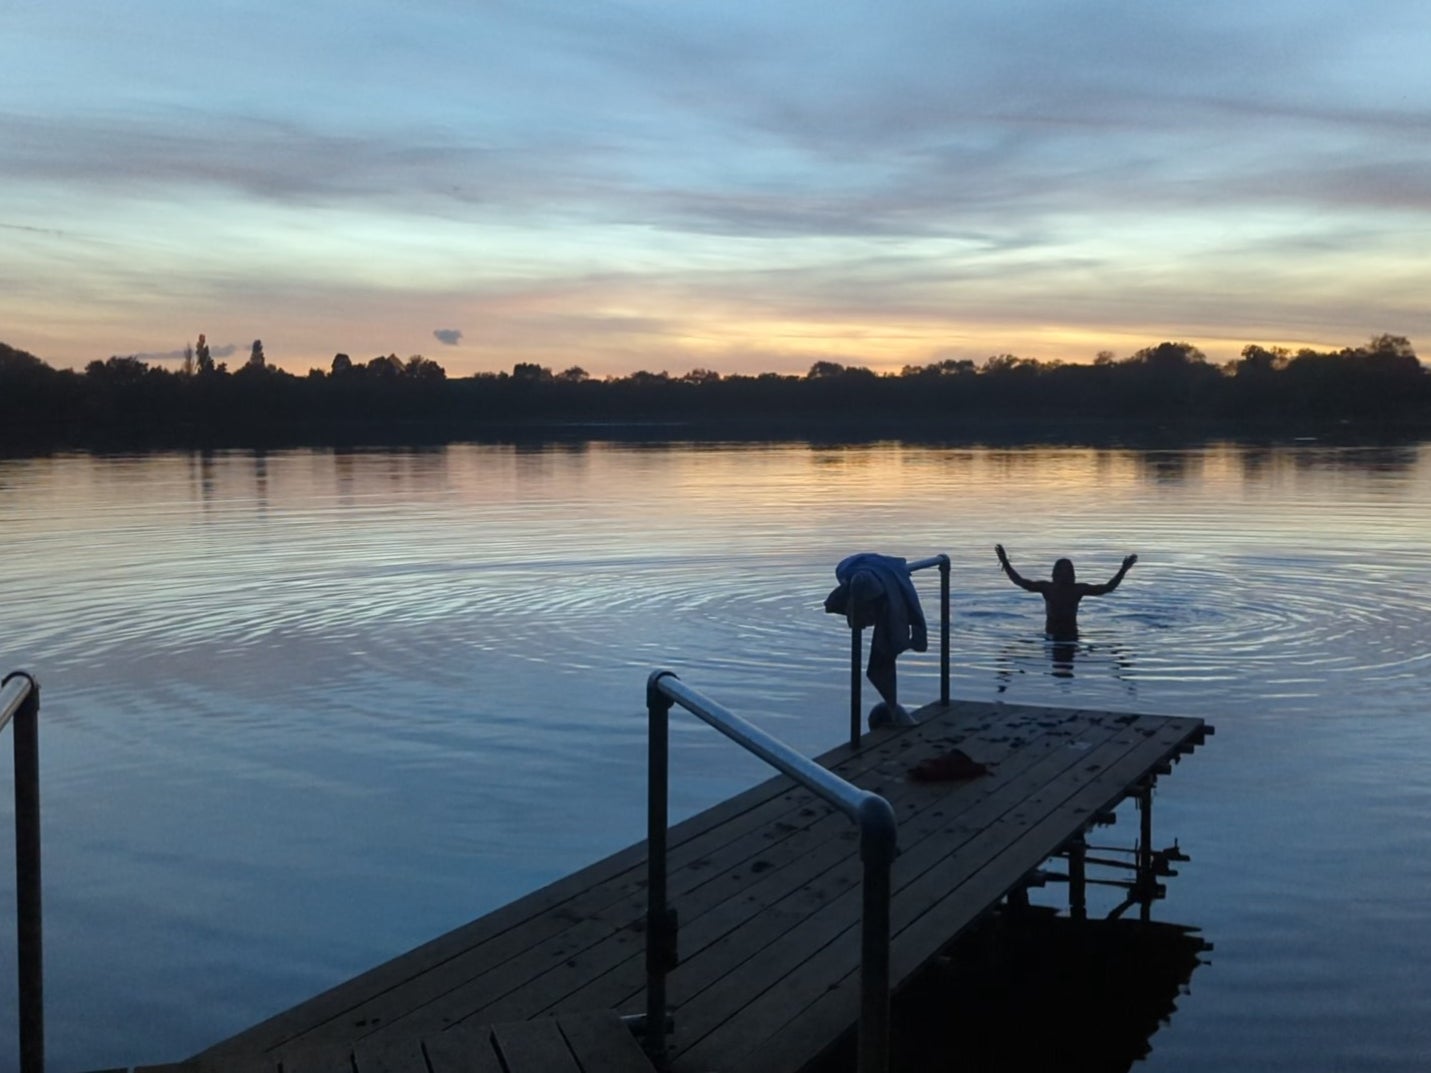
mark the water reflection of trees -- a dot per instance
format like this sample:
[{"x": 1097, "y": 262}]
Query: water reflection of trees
[
  {"x": 1169, "y": 467},
  {"x": 1396, "y": 458},
  {"x": 1259, "y": 462},
  {"x": 1160, "y": 392}
]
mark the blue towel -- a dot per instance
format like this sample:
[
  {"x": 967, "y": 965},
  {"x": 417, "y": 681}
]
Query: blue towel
[{"x": 875, "y": 590}]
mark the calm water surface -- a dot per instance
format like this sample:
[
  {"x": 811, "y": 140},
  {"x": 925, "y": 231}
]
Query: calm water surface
[{"x": 305, "y": 710}]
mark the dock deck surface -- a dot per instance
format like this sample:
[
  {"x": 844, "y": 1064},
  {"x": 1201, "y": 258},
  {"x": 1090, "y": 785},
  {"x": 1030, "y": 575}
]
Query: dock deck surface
[{"x": 768, "y": 889}]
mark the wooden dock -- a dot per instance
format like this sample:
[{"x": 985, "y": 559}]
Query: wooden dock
[{"x": 767, "y": 886}]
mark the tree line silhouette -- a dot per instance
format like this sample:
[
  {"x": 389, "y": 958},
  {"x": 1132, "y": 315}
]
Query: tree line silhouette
[{"x": 1381, "y": 385}]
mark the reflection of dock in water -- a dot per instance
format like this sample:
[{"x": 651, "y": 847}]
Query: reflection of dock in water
[
  {"x": 763, "y": 970},
  {"x": 1028, "y": 989}
]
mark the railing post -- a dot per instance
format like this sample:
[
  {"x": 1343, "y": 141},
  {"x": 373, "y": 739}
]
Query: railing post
[
  {"x": 944, "y": 631},
  {"x": 1078, "y": 878},
  {"x": 855, "y": 658},
  {"x": 878, "y": 839},
  {"x": 1145, "y": 879},
  {"x": 30, "y": 947},
  {"x": 660, "y": 923}
]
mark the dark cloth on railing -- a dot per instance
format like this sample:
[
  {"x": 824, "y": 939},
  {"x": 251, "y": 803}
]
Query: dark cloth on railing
[{"x": 875, "y": 590}]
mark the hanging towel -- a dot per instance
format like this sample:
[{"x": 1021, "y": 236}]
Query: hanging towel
[{"x": 875, "y": 590}]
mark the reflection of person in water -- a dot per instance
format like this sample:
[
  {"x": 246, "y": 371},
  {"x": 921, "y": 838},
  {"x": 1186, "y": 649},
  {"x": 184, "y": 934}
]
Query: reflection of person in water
[
  {"x": 1023, "y": 655},
  {"x": 1061, "y": 656},
  {"x": 1062, "y": 594}
]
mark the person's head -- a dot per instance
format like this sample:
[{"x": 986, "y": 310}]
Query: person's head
[{"x": 1063, "y": 571}]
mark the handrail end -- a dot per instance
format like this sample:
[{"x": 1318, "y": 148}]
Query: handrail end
[
  {"x": 879, "y": 831},
  {"x": 654, "y": 695},
  {"x": 34, "y": 682}
]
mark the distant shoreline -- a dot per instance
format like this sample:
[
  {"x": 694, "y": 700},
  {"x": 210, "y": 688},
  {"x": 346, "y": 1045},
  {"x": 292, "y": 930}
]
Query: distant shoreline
[
  {"x": 1163, "y": 394},
  {"x": 815, "y": 430}
]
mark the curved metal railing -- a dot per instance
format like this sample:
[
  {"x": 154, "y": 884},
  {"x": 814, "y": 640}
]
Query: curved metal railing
[
  {"x": 20, "y": 703},
  {"x": 878, "y": 846},
  {"x": 856, "y": 671}
]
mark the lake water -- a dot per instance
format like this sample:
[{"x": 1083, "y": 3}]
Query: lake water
[{"x": 304, "y": 710}]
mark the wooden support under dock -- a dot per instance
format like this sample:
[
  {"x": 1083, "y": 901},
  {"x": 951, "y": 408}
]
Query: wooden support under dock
[{"x": 767, "y": 887}]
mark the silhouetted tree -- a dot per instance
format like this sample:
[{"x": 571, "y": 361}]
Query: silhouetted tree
[
  {"x": 117, "y": 367},
  {"x": 420, "y": 368},
  {"x": 255, "y": 356},
  {"x": 15, "y": 362},
  {"x": 997, "y": 364},
  {"x": 385, "y": 366},
  {"x": 1257, "y": 361},
  {"x": 1255, "y": 390},
  {"x": 947, "y": 367},
  {"x": 203, "y": 360},
  {"x": 1169, "y": 356},
  {"x": 1168, "y": 381},
  {"x": 342, "y": 365},
  {"x": 1397, "y": 347}
]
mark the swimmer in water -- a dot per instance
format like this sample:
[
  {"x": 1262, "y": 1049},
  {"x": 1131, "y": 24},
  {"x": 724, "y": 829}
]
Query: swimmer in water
[{"x": 1062, "y": 594}]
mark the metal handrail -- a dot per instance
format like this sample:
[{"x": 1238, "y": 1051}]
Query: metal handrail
[
  {"x": 20, "y": 702},
  {"x": 856, "y": 655},
  {"x": 878, "y": 847}
]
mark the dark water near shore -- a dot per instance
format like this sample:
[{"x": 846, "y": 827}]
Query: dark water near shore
[{"x": 304, "y": 710}]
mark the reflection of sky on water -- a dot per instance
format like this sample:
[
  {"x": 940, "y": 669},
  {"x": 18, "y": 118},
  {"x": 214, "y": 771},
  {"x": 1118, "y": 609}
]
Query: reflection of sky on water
[{"x": 305, "y": 709}]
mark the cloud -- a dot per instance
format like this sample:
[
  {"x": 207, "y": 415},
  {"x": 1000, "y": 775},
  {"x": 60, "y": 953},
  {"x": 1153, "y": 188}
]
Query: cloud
[
  {"x": 447, "y": 336},
  {"x": 32, "y": 230}
]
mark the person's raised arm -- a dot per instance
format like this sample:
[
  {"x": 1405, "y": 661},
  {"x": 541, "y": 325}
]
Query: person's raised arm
[
  {"x": 1113, "y": 582},
  {"x": 1014, "y": 575}
]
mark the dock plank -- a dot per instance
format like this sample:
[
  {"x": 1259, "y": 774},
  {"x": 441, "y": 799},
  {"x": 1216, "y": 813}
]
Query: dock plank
[
  {"x": 389, "y": 1056},
  {"x": 596, "y": 1042},
  {"x": 602, "y": 1042},
  {"x": 468, "y": 1049},
  {"x": 534, "y": 1045}
]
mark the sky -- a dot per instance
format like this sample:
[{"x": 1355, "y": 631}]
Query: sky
[{"x": 743, "y": 187}]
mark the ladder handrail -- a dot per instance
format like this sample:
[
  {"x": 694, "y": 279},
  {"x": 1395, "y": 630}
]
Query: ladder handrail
[
  {"x": 20, "y": 703},
  {"x": 879, "y": 836}
]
